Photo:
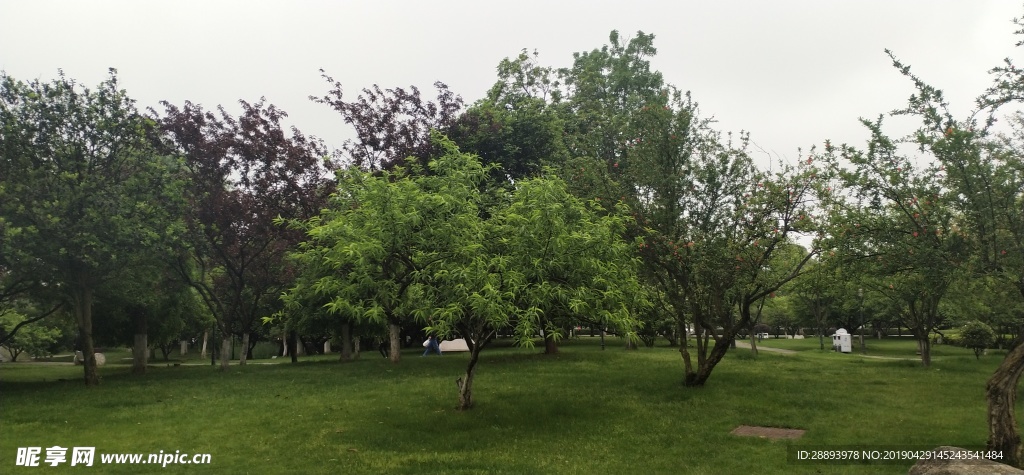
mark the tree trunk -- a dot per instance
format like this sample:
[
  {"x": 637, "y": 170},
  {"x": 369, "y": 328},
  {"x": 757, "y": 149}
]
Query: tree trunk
[
  {"x": 550, "y": 345},
  {"x": 346, "y": 342},
  {"x": 753, "y": 343},
  {"x": 140, "y": 354},
  {"x": 684, "y": 346},
  {"x": 83, "y": 314},
  {"x": 672, "y": 337},
  {"x": 245, "y": 349},
  {"x": 290, "y": 347},
  {"x": 465, "y": 383},
  {"x": 926, "y": 351},
  {"x": 395, "y": 338},
  {"x": 225, "y": 352},
  {"x": 300, "y": 346},
  {"x": 704, "y": 368},
  {"x": 1001, "y": 395},
  {"x": 202, "y": 355},
  {"x": 140, "y": 346}
]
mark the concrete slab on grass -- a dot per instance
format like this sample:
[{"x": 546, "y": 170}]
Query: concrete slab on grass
[{"x": 458, "y": 344}]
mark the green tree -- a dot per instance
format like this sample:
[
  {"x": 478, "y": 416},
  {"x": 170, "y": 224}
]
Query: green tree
[
  {"x": 82, "y": 191},
  {"x": 148, "y": 311},
  {"x": 35, "y": 339},
  {"x": 983, "y": 175},
  {"x": 518, "y": 125},
  {"x": 15, "y": 289},
  {"x": 606, "y": 87},
  {"x": 716, "y": 229},
  {"x": 401, "y": 245},
  {"x": 898, "y": 224},
  {"x": 817, "y": 294},
  {"x": 710, "y": 220},
  {"x": 988, "y": 299},
  {"x": 543, "y": 258},
  {"x": 574, "y": 266},
  {"x": 369, "y": 249}
]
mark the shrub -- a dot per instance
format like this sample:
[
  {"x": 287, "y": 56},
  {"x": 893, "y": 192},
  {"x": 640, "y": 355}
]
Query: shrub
[
  {"x": 977, "y": 336},
  {"x": 954, "y": 338}
]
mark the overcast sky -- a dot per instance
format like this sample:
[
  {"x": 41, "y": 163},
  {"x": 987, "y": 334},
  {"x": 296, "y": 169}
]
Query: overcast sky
[{"x": 791, "y": 72}]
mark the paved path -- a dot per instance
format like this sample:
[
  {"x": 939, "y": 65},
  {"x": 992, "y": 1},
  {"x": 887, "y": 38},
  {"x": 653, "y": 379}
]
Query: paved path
[
  {"x": 918, "y": 358},
  {"x": 746, "y": 345}
]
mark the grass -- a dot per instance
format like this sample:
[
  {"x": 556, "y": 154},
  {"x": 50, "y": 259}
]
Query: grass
[
  {"x": 582, "y": 411},
  {"x": 894, "y": 347}
]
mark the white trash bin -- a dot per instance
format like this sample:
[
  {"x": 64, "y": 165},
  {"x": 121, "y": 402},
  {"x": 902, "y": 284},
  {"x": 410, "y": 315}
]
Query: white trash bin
[{"x": 841, "y": 341}]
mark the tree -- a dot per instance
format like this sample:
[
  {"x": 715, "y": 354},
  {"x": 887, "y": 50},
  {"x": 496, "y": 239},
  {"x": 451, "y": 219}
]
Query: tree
[
  {"x": 35, "y": 340},
  {"x": 14, "y": 290},
  {"x": 148, "y": 311},
  {"x": 815, "y": 295},
  {"x": 605, "y": 88},
  {"x": 518, "y": 125},
  {"x": 15, "y": 287},
  {"x": 574, "y": 266},
  {"x": 977, "y": 336},
  {"x": 898, "y": 222},
  {"x": 544, "y": 257},
  {"x": 987, "y": 298},
  {"x": 716, "y": 229},
  {"x": 82, "y": 190},
  {"x": 982, "y": 174},
  {"x": 778, "y": 312},
  {"x": 244, "y": 173},
  {"x": 367, "y": 251},
  {"x": 520, "y": 136},
  {"x": 699, "y": 201},
  {"x": 392, "y": 124},
  {"x": 407, "y": 245}
]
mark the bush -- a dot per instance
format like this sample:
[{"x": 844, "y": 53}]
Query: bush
[
  {"x": 977, "y": 336},
  {"x": 954, "y": 338}
]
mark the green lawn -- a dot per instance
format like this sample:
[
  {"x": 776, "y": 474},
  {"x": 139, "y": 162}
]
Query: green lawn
[
  {"x": 893, "y": 347},
  {"x": 583, "y": 411}
]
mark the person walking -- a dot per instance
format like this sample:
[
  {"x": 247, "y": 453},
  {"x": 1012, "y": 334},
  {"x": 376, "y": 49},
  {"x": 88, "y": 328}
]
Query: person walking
[{"x": 432, "y": 345}]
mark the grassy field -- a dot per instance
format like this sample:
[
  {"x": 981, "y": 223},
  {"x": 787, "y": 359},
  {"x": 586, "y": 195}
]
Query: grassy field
[
  {"x": 583, "y": 411},
  {"x": 893, "y": 347}
]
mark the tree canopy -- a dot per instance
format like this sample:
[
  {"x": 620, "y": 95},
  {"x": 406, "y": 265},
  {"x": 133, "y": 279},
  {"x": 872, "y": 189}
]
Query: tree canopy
[{"x": 83, "y": 191}]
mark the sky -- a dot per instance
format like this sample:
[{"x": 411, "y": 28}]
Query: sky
[{"x": 792, "y": 73}]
